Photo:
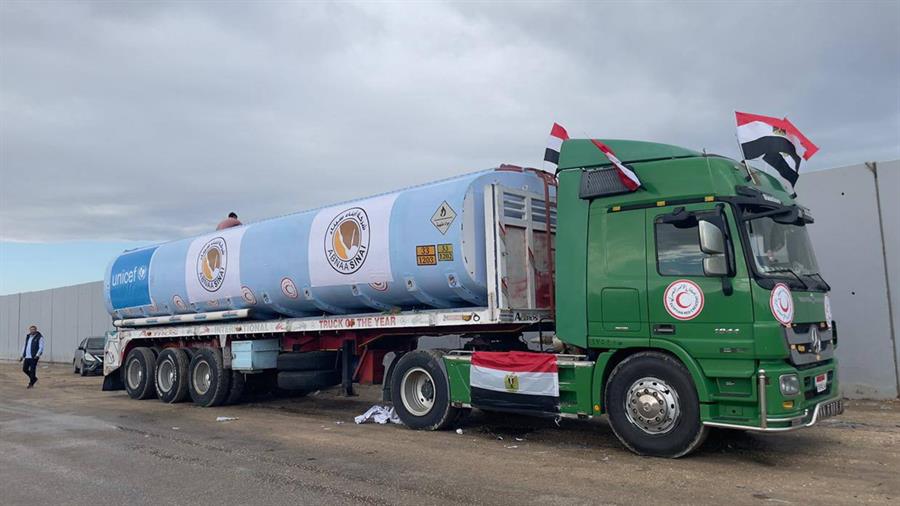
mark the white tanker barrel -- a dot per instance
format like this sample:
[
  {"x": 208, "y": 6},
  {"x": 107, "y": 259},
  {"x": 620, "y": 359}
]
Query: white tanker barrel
[{"x": 422, "y": 247}]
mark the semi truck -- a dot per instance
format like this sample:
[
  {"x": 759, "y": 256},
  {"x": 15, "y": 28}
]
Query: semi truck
[{"x": 691, "y": 304}]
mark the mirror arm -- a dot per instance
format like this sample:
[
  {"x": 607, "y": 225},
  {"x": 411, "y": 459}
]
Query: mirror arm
[{"x": 727, "y": 287}]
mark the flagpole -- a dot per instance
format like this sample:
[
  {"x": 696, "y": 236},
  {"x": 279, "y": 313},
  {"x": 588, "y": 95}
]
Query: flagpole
[{"x": 741, "y": 149}]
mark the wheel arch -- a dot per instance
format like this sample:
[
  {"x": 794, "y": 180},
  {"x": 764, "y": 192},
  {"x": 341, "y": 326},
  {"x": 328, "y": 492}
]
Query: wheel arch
[{"x": 607, "y": 361}]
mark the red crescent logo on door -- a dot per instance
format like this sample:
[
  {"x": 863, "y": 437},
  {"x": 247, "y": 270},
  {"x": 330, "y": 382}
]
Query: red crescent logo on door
[
  {"x": 683, "y": 299},
  {"x": 781, "y": 303}
]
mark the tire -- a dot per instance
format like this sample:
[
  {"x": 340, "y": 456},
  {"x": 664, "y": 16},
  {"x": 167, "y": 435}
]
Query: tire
[
  {"x": 172, "y": 367},
  {"x": 307, "y": 361},
  {"x": 238, "y": 384},
  {"x": 420, "y": 391},
  {"x": 139, "y": 373},
  {"x": 307, "y": 381},
  {"x": 82, "y": 371},
  {"x": 208, "y": 380},
  {"x": 74, "y": 367},
  {"x": 668, "y": 424}
]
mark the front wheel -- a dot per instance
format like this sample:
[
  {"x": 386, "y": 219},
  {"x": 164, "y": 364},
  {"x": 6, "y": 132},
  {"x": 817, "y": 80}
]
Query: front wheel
[
  {"x": 653, "y": 406},
  {"x": 421, "y": 393}
]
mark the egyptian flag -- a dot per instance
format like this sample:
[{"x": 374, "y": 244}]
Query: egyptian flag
[
  {"x": 777, "y": 141},
  {"x": 514, "y": 381},
  {"x": 625, "y": 173},
  {"x": 558, "y": 134}
]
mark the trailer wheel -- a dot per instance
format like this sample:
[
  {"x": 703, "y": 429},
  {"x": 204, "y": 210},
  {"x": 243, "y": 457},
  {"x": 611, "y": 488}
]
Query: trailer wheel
[
  {"x": 139, "y": 373},
  {"x": 653, "y": 406},
  {"x": 238, "y": 384},
  {"x": 172, "y": 367},
  {"x": 307, "y": 361},
  {"x": 209, "y": 381},
  {"x": 420, "y": 391}
]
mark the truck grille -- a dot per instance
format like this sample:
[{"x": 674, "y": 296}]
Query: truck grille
[{"x": 809, "y": 343}]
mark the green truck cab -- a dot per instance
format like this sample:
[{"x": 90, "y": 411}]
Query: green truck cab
[{"x": 693, "y": 302}]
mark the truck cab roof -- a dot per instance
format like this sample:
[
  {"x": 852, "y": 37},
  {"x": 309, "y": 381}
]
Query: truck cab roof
[{"x": 667, "y": 172}]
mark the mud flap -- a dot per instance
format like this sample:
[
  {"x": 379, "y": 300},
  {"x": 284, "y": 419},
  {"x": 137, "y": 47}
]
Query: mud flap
[{"x": 113, "y": 381}]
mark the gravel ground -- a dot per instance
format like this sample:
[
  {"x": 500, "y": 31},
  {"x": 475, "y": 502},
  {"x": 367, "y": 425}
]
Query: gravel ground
[{"x": 66, "y": 442}]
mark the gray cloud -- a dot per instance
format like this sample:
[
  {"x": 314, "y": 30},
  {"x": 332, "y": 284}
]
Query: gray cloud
[{"x": 148, "y": 120}]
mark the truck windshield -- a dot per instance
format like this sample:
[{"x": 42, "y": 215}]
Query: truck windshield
[{"x": 782, "y": 250}]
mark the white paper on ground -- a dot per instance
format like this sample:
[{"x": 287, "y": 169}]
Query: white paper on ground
[{"x": 378, "y": 414}]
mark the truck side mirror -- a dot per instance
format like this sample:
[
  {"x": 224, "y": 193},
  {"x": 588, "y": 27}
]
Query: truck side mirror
[
  {"x": 715, "y": 265},
  {"x": 712, "y": 240}
]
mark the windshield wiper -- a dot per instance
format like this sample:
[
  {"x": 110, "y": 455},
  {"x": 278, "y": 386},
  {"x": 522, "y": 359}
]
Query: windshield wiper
[
  {"x": 792, "y": 273},
  {"x": 817, "y": 275}
]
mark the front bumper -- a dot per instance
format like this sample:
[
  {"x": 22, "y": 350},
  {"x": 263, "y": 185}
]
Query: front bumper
[
  {"x": 776, "y": 412},
  {"x": 93, "y": 367},
  {"x": 822, "y": 410}
]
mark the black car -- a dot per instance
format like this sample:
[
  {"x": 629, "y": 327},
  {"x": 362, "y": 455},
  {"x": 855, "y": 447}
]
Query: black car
[{"x": 89, "y": 356}]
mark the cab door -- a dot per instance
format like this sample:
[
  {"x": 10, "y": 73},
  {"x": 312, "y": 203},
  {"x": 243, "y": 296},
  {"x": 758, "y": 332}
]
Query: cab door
[{"x": 699, "y": 302}]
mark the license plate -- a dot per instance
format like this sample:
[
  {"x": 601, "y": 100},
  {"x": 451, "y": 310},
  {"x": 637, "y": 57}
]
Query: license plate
[{"x": 821, "y": 383}]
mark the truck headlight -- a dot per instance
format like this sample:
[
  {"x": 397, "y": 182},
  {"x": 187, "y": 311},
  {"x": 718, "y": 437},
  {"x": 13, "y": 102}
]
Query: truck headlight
[
  {"x": 789, "y": 383},
  {"x": 89, "y": 358}
]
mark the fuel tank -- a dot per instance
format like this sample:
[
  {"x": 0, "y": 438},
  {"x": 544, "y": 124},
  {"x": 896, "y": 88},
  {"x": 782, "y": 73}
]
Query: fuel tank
[{"x": 420, "y": 247}]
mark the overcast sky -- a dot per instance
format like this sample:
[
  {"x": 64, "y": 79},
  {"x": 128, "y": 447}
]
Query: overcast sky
[{"x": 150, "y": 121}]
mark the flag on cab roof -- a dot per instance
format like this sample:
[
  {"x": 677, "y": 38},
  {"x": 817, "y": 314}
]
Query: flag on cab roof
[
  {"x": 558, "y": 134},
  {"x": 626, "y": 174},
  {"x": 780, "y": 145}
]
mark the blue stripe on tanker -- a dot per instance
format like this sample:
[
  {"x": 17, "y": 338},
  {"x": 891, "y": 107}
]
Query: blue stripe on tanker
[{"x": 421, "y": 247}]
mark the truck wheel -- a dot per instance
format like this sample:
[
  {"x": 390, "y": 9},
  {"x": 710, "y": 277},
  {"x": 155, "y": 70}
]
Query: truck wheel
[
  {"x": 74, "y": 367},
  {"x": 238, "y": 383},
  {"x": 209, "y": 381},
  {"x": 307, "y": 361},
  {"x": 140, "y": 373},
  {"x": 653, "y": 406},
  {"x": 172, "y": 366},
  {"x": 308, "y": 380},
  {"x": 420, "y": 391}
]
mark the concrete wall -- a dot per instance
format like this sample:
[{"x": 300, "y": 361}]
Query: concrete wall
[
  {"x": 863, "y": 269},
  {"x": 64, "y": 315}
]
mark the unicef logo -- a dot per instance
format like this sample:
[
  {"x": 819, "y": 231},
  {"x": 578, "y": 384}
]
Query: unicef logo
[
  {"x": 683, "y": 299},
  {"x": 347, "y": 240},
  {"x": 142, "y": 272},
  {"x": 211, "y": 264}
]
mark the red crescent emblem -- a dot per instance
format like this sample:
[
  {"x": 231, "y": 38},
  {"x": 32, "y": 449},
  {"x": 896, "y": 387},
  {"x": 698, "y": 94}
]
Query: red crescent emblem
[
  {"x": 678, "y": 300},
  {"x": 783, "y": 306}
]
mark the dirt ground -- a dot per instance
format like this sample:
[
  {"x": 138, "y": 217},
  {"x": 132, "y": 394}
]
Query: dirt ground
[{"x": 66, "y": 442}]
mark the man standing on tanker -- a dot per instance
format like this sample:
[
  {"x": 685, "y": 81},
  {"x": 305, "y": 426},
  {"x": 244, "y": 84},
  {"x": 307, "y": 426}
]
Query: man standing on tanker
[
  {"x": 31, "y": 353},
  {"x": 230, "y": 221}
]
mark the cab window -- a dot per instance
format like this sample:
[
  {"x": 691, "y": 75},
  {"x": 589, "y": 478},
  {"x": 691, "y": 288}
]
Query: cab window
[{"x": 678, "y": 249}]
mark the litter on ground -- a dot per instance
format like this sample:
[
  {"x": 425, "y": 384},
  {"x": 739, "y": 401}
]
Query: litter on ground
[{"x": 378, "y": 414}]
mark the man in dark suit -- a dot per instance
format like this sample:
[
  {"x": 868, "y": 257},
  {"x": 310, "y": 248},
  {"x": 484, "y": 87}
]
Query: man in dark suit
[{"x": 31, "y": 353}]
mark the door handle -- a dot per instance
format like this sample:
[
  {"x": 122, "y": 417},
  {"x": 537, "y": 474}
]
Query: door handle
[{"x": 664, "y": 328}]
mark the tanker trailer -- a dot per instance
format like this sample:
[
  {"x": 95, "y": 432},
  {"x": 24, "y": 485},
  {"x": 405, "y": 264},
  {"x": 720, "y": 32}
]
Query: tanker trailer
[{"x": 421, "y": 247}]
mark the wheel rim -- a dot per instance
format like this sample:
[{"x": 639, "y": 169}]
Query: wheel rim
[
  {"x": 135, "y": 374},
  {"x": 652, "y": 405},
  {"x": 202, "y": 377},
  {"x": 417, "y": 391},
  {"x": 165, "y": 375}
]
